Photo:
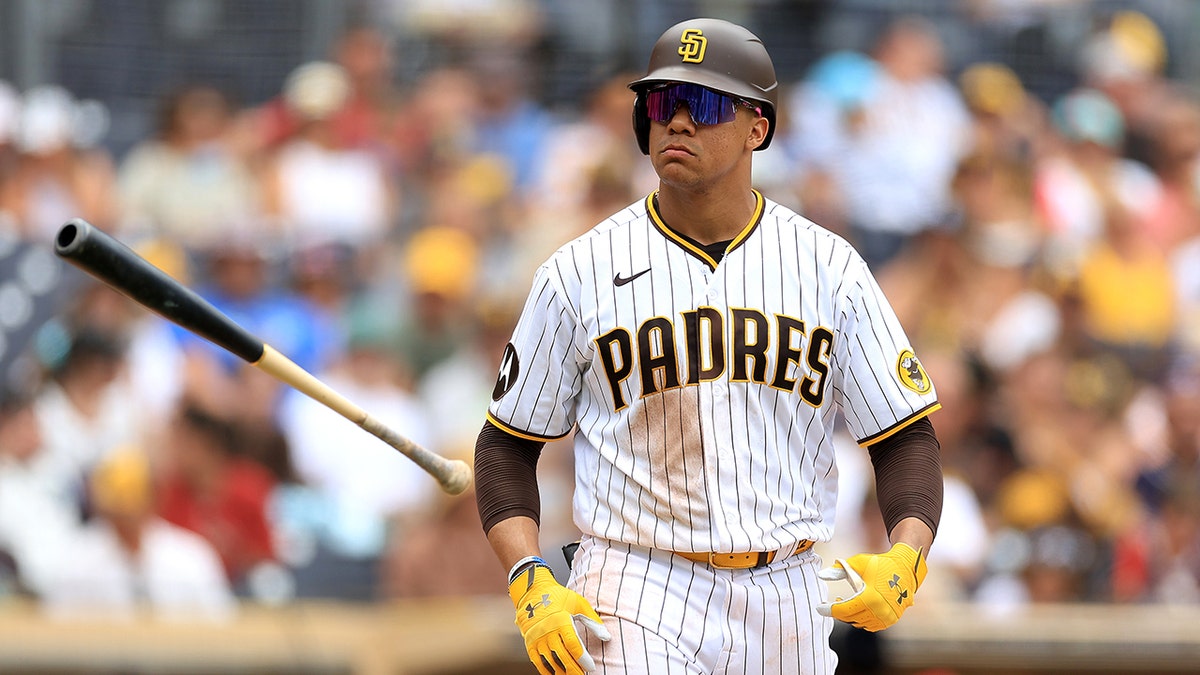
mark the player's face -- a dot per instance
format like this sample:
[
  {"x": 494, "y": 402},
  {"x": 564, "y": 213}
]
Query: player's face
[{"x": 698, "y": 136}]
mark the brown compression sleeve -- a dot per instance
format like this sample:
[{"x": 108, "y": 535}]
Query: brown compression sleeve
[
  {"x": 506, "y": 476},
  {"x": 908, "y": 475}
]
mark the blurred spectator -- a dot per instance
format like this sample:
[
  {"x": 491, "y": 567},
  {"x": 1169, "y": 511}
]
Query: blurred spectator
[
  {"x": 1125, "y": 58},
  {"x": 475, "y": 195},
  {"x": 320, "y": 190},
  {"x": 1128, "y": 298},
  {"x": 511, "y": 124},
  {"x": 61, "y": 171},
  {"x": 975, "y": 289},
  {"x": 1067, "y": 421},
  {"x": 1085, "y": 182},
  {"x": 597, "y": 142},
  {"x": 1159, "y": 561},
  {"x": 83, "y": 409},
  {"x": 366, "y": 55},
  {"x": 1174, "y": 156},
  {"x": 1039, "y": 553},
  {"x": 828, "y": 103},
  {"x": 37, "y": 521},
  {"x": 189, "y": 184},
  {"x": 440, "y": 266},
  {"x": 435, "y": 131},
  {"x": 209, "y": 487},
  {"x": 355, "y": 493},
  {"x": 152, "y": 374},
  {"x": 904, "y": 148},
  {"x": 127, "y": 560},
  {"x": 1171, "y": 429},
  {"x": 325, "y": 278},
  {"x": 1058, "y": 565},
  {"x": 827, "y": 109},
  {"x": 1008, "y": 123},
  {"x": 364, "y": 118}
]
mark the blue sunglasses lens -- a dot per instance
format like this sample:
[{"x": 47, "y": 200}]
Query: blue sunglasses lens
[{"x": 705, "y": 105}]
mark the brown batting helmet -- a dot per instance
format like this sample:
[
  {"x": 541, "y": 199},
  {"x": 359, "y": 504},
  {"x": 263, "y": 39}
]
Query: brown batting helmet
[{"x": 713, "y": 53}]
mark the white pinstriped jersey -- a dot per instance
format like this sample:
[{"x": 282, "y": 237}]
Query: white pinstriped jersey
[{"x": 705, "y": 395}]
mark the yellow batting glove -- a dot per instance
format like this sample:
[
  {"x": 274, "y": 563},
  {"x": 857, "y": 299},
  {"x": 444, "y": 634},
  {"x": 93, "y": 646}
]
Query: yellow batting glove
[
  {"x": 884, "y": 585},
  {"x": 546, "y": 613}
]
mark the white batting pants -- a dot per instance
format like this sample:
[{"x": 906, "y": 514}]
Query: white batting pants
[{"x": 669, "y": 615}]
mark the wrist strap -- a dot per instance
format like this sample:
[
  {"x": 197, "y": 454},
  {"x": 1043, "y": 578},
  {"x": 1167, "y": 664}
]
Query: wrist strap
[{"x": 527, "y": 561}]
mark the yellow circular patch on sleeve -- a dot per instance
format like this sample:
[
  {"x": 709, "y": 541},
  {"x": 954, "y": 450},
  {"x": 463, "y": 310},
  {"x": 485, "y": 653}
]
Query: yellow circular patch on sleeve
[{"x": 912, "y": 373}]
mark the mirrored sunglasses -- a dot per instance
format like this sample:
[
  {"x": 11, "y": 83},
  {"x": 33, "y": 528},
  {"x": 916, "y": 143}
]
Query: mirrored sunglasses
[{"x": 704, "y": 105}]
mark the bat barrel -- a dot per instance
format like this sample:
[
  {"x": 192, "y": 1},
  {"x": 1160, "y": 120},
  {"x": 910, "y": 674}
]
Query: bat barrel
[{"x": 99, "y": 254}]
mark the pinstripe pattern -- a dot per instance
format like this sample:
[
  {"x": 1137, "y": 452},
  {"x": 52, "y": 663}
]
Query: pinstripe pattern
[
  {"x": 696, "y": 620},
  {"x": 705, "y": 397}
]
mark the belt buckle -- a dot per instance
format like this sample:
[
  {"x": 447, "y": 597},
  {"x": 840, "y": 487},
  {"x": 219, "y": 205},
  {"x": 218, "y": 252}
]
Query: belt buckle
[{"x": 712, "y": 561}]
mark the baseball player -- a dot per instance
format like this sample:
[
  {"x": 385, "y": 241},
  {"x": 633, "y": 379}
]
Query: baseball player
[{"x": 703, "y": 344}]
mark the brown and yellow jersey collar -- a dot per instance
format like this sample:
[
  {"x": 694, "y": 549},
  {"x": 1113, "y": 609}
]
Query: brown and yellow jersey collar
[{"x": 690, "y": 246}]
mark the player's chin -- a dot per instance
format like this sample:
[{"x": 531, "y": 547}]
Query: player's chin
[
  {"x": 674, "y": 174},
  {"x": 675, "y": 166}
]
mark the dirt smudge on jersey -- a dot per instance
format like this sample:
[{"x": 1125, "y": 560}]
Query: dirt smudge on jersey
[{"x": 668, "y": 427}]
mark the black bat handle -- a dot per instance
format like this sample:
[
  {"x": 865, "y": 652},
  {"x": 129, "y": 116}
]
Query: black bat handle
[{"x": 102, "y": 256}]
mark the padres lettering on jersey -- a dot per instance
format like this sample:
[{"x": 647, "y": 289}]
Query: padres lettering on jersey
[
  {"x": 706, "y": 395},
  {"x": 704, "y": 329}
]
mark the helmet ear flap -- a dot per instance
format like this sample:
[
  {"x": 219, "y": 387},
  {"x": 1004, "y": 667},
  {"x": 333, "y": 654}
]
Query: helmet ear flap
[{"x": 641, "y": 123}]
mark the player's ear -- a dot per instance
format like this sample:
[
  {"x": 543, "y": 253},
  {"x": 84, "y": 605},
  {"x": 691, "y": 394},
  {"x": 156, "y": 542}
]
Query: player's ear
[{"x": 758, "y": 133}]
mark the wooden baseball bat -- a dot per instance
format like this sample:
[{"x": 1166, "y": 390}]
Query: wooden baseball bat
[{"x": 107, "y": 259}]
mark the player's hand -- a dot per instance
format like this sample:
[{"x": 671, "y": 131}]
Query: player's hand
[
  {"x": 546, "y": 613},
  {"x": 884, "y": 585}
]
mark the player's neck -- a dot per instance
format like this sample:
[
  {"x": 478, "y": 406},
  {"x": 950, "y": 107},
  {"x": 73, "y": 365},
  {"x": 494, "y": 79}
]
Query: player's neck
[{"x": 706, "y": 217}]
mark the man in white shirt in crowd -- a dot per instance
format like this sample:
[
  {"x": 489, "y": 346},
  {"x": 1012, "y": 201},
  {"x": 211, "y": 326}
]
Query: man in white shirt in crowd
[{"x": 126, "y": 560}]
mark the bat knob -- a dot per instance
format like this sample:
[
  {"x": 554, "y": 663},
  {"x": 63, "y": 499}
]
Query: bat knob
[{"x": 457, "y": 478}]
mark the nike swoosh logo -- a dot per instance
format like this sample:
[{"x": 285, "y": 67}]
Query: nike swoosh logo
[{"x": 619, "y": 280}]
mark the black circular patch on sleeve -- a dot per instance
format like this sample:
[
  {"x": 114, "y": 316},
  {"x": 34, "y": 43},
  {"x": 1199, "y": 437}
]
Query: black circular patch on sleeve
[{"x": 509, "y": 369}]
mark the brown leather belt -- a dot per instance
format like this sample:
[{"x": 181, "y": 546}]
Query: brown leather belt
[{"x": 743, "y": 561}]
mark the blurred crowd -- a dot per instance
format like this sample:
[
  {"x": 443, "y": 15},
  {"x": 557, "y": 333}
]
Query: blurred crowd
[{"x": 1044, "y": 256}]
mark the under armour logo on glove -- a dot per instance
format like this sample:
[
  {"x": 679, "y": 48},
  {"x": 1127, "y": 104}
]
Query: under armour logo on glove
[
  {"x": 895, "y": 582},
  {"x": 544, "y": 603}
]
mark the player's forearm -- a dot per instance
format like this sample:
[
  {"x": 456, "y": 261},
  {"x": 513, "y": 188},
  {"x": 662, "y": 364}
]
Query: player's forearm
[
  {"x": 914, "y": 532},
  {"x": 513, "y": 539}
]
